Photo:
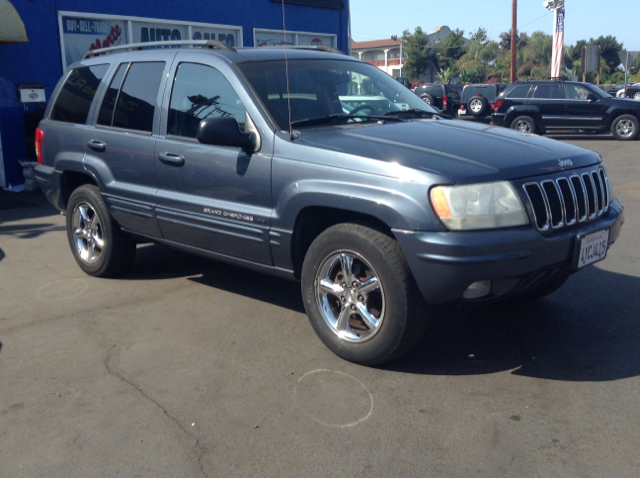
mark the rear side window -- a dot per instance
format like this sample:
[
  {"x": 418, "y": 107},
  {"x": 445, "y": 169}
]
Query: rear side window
[
  {"x": 520, "y": 91},
  {"x": 74, "y": 100},
  {"x": 133, "y": 92},
  {"x": 549, "y": 92},
  {"x": 200, "y": 92}
]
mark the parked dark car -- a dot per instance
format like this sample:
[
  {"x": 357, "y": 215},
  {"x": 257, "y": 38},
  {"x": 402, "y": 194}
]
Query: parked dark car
[
  {"x": 542, "y": 106},
  {"x": 444, "y": 96},
  {"x": 633, "y": 91},
  {"x": 615, "y": 89},
  {"x": 477, "y": 100},
  {"x": 244, "y": 157}
]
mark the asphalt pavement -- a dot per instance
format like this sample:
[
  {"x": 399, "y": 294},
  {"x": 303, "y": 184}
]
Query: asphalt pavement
[{"x": 188, "y": 367}]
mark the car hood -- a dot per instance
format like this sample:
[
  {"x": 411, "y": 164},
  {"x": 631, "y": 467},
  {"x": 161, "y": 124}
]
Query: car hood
[{"x": 463, "y": 152}]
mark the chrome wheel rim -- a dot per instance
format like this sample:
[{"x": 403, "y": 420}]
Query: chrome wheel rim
[
  {"x": 426, "y": 100},
  {"x": 350, "y": 296},
  {"x": 523, "y": 126},
  {"x": 476, "y": 106},
  {"x": 636, "y": 96},
  {"x": 87, "y": 233},
  {"x": 625, "y": 128}
]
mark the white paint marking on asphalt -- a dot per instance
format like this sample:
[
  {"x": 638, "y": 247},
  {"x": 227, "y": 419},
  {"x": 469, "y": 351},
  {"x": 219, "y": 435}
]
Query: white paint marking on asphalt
[
  {"x": 340, "y": 399},
  {"x": 62, "y": 289}
]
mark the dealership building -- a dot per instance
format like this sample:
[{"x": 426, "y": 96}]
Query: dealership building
[{"x": 39, "y": 39}]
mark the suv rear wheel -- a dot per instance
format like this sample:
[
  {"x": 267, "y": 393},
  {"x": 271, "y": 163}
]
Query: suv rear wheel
[
  {"x": 98, "y": 245},
  {"x": 524, "y": 124},
  {"x": 428, "y": 99},
  {"x": 477, "y": 105},
  {"x": 625, "y": 128},
  {"x": 360, "y": 296}
]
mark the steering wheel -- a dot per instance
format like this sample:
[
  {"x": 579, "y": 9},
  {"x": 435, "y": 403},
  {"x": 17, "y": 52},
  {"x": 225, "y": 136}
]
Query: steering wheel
[{"x": 358, "y": 109}]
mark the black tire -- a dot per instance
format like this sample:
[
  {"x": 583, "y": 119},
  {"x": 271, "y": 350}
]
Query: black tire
[
  {"x": 477, "y": 105},
  {"x": 118, "y": 249},
  {"x": 625, "y": 128},
  {"x": 428, "y": 99},
  {"x": 520, "y": 123},
  {"x": 544, "y": 290},
  {"x": 403, "y": 319}
]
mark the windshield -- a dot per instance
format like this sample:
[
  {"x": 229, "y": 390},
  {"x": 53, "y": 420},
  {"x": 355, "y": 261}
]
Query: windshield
[
  {"x": 598, "y": 91},
  {"x": 321, "y": 88}
]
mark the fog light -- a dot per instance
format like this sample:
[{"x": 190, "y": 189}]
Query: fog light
[{"x": 478, "y": 289}]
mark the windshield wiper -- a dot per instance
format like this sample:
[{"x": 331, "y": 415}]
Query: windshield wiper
[
  {"x": 342, "y": 117},
  {"x": 411, "y": 111}
]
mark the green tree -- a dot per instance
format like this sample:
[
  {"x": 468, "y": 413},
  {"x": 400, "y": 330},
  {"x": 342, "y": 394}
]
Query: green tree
[
  {"x": 446, "y": 75},
  {"x": 451, "y": 49},
  {"x": 481, "y": 54},
  {"x": 609, "y": 48},
  {"x": 416, "y": 52}
]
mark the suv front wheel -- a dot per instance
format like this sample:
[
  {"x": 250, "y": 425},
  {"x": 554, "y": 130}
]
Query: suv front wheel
[
  {"x": 98, "y": 245},
  {"x": 360, "y": 297},
  {"x": 524, "y": 124}
]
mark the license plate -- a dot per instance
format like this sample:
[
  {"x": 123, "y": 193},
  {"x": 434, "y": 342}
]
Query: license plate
[
  {"x": 462, "y": 112},
  {"x": 593, "y": 248}
]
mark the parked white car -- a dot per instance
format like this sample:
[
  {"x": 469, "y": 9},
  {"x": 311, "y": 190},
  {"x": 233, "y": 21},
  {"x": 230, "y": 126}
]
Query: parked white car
[{"x": 621, "y": 94}]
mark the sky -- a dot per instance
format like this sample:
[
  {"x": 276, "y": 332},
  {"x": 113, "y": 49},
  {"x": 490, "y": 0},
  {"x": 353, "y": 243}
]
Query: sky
[{"x": 585, "y": 19}]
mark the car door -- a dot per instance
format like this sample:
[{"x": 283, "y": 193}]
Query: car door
[
  {"x": 121, "y": 144},
  {"x": 548, "y": 98},
  {"x": 212, "y": 198},
  {"x": 580, "y": 111}
]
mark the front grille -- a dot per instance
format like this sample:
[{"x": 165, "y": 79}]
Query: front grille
[{"x": 567, "y": 200}]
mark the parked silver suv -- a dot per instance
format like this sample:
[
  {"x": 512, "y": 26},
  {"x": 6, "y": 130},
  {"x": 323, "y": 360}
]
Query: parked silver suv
[{"x": 380, "y": 209}]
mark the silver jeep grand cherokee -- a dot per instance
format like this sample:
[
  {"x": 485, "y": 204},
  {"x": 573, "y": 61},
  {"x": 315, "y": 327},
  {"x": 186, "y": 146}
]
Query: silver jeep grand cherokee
[{"x": 380, "y": 209}]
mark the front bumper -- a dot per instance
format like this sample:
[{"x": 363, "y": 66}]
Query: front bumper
[{"x": 516, "y": 260}]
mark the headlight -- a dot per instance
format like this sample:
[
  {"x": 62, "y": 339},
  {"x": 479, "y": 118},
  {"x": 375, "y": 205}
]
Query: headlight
[{"x": 478, "y": 207}]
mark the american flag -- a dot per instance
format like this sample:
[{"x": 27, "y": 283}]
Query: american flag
[{"x": 558, "y": 44}]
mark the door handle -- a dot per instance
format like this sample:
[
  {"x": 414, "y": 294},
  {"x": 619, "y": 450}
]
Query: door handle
[
  {"x": 97, "y": 145},
  {"x": 171, "y": 159}
]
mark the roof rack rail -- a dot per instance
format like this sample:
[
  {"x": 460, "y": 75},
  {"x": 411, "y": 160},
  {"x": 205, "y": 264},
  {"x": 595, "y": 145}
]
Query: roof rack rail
[
  {"x": 322, "y": 48},
  {"x": 173, "y": 43}
]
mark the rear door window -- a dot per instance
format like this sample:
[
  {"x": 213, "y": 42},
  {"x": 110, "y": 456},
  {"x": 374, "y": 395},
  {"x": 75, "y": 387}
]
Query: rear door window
[
  {"x": 549, "y": 92},
  {"x": 520, "y": 91},
  {"x": 105, "y": 117},
  {"x": 74, "y": 100},
  {"x": 137, "y": 98}
]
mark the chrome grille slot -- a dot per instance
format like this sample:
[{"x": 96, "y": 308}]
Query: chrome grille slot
[
  {"x": 599, "y": 190},
  {"x": 605, "y": 184},
  {"x": 568, "y": 200},
  {"x": 581, "y": 198},
  {"x": 554, "y": 202},
  {"x": 538, "y": 205},
  {"x": 591, "y": 195}
]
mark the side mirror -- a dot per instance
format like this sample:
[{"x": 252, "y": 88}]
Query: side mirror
[
  {"x": 592, "y": 97},
  {"x": 225, "y": 132}
]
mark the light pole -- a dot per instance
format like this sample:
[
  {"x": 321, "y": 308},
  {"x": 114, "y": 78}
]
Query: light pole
[
  {"x": 514, "y": 29},
  {"x": 394, "y": 38}
]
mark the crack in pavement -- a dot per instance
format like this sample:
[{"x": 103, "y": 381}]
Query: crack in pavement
[{"x": 197, "y": 449}]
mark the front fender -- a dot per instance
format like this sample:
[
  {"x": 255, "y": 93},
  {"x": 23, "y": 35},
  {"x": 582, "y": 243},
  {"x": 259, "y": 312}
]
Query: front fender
[{"x": 400, "y": 201}]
